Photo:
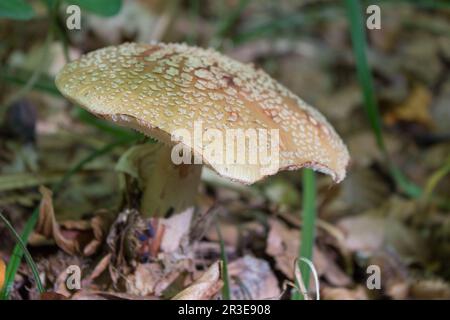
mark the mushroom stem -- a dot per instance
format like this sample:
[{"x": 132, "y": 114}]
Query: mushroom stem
[{"x": 166, "y": 188}]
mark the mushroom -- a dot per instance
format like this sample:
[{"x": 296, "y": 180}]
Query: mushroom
[{"x": 176, "y": 93}]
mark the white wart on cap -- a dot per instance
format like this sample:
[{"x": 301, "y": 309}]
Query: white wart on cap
[{"x": 161, "y": 88}]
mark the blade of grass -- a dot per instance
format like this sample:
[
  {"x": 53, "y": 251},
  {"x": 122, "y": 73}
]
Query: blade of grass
[
  {"x": 308, "y": 226},
  {"x": 28, "y": 257},
  {"x": 18, "y": 252},
  {"x": 358, "y": 35},
  {"x": 434, "y": 180},
  {"x": 357, "y": 30},
  {"x": 226, "y": 280},
  {"x": 17, "y": 255}
]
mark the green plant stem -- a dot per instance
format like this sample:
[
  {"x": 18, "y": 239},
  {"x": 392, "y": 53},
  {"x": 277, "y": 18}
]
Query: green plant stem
[
  {"x": 359, "y": 43},
  {"x": 226, "y": 279},
  {"x": 28, "y": 257},
  {"x": 434, "y": 180},
  {"x": 358, "y": 35},
  {"x": 308, "y": 226}
]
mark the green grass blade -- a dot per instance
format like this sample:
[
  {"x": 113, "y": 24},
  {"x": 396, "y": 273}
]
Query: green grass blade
[
  {"x": 226, "y": 279},
  {"x": 18, "y": 252},
  {"x": 17, "y": 255},
  {"x": 359, "y": 43},
  {"x": 409, "y": 188},
  {"x": 434, "y": 180},
  {"x": 24, "y": 249},
  {"x": 358, "y": 35},
  {"x": 308, "y": 226}
]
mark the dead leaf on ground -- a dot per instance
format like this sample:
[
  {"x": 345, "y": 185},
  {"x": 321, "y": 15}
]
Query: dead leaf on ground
[
  {"x": 50, "y": 295},
  {"x": 54, "y": 270},
  {"x": 229, "y": 232},
  {"x": 358, "y": 293},
  {"x": 101, "y": 266},
  {"x": 416, "y": 108},
  {"x": 252, "y": 279},
  {"x": 371, "y": 232},
  {"x": 177, "y": 229},
  {"x": 204, "y": 287},
  {"x": 106, "y": 295},
  {"x": 361, "y": 190},
  {"x": 364, "y": 150},
  {"x": 430, "y": 289},
  {"x": 395, "y": 276},
  {"x": 74, "y": 237},
  {"x": 283, "y": 245},
  {"x": 150, "y": 279}
]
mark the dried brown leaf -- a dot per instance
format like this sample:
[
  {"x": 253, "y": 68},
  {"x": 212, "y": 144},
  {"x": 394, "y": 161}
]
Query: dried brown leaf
[
  {"x": 100, "y": 267},
  {"x": 150, "y": 279},
  {"x": 74, "y": 237},
  {"x": 252, "y": 279},
  {"x": 48, "y": 227},
  {"x": 371, "y": 232},
  {"x": 430, "y": 289},
  {"x": 204, "y": 287},
  {"x": 176, "y": 230},
  {"x": 283, "y": 245},
  {"x": 416, "y": 108},
  {"x": 358, "y": 293},
  {"x": 49, "y": 295}
]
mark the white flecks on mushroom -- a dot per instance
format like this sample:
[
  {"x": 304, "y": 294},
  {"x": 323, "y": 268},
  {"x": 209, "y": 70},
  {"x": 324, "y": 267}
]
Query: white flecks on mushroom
[{"x": 160, "y": 88}]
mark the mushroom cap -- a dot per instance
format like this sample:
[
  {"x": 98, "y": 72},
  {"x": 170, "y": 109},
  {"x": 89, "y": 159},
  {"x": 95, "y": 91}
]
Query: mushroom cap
[{"x": 161, "y": 88}]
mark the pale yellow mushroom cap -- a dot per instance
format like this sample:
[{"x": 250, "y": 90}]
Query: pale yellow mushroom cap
[{"x": 160, "y": 88}]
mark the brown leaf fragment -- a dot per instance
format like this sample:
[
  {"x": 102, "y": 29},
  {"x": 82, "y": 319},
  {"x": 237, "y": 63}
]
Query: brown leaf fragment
[
  {"x": 74, "y": 237},
  {"x": 151, "y": 279},
  {"x": 204, "y": 287},
  {"x": 416, "y": 108},
  {"x": 283, "y": 245},
  {"x": 49, "y": 295},
  {"x": 103, "y": 295},
  {"x": 100, "y": 267},
  {"x": 48, "y": 227},
  {"x": 430, "y": 289},
  {"x": 395, "y": 278},
  {"x": 176, "y": 230},
  {"x": 252, "y": 279},
  {"x": 156, "y": 242},
  {"x": 358, "y": 293},
  {"x": 370, "y": 232}
]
